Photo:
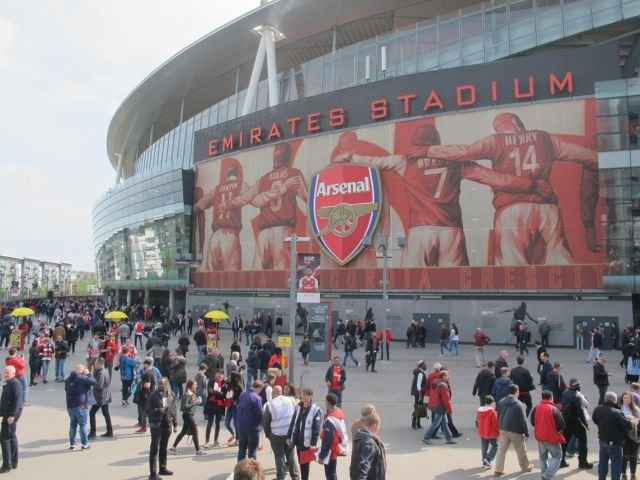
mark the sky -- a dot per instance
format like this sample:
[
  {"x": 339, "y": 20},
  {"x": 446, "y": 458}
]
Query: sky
[{"x": 65, "y": 67}]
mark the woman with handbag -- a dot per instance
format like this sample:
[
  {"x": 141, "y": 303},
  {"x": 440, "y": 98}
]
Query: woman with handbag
[
  {"x": 630, "y": 447},
  {"x": 418, "y": 388}
]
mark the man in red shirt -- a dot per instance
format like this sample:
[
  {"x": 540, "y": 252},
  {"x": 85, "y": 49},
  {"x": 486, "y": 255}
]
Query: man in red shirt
[
  {"x": 480, "y": 339},
  {"x": 335, "y": 378},
  {"x": 440, "y": 405},
  {"x": 528, "y": 226},
  {"x": 548, "y": 424},
  {"x": 275, "y": 194}
]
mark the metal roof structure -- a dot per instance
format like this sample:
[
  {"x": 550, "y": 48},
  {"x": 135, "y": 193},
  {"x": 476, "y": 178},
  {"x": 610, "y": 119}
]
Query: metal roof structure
[{"x": 205, "y": 72}]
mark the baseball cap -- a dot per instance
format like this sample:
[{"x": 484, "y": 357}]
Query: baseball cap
[{"x": 574, "y": 382}]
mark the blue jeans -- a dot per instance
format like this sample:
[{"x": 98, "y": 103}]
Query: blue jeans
[
  {"x": 177, "y": 389},
  {"x": 453, "y": 347},
  {"x": 545, "y": 450},
  {"x": 25, "y": 388},
  {"x": 347, "y": 355},
  {"x": 60, "y": 368},
  {"x": 201, "y": 349},
  {"x": 247, "y": 441},
  {"x": 45, "y": 369},
  {"x": 444, "y": 345},
  {"x": 252, "y": 374},
  {"x": 488, "y": 454},
  {"x": 230, "y": 417},
  {"x": 608, "y": 452},
  {"x": 438, "y": 418},
  {"x": 78, "y": 417}
]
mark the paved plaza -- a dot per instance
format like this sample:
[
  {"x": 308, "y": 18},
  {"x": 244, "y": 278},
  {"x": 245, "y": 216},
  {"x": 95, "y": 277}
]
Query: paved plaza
[{"x": 43, "y": 428}]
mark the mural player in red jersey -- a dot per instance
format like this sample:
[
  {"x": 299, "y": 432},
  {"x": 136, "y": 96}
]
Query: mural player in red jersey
[
  {"x": 275, "y": 194},
  {"x": 435, "y": 233},
  {"x": 528, "y": 226},
  {"x": 223, "y": 250}
]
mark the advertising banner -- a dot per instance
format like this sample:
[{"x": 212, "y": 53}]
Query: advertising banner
[
  {"x": 14, "y": 291},
  {"x": 307, "y": 272},
  {"x": 481, "y": 199}
]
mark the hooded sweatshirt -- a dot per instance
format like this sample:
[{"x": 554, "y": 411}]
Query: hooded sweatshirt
[{"x": 488, "y": 423}]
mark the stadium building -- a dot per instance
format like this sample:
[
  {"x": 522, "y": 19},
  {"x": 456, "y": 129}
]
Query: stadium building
[{"x": 460, "y": 157}]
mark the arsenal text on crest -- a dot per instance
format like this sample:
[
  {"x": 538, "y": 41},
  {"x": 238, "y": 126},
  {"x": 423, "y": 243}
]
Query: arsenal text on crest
[{"x": 342, "y": 188}]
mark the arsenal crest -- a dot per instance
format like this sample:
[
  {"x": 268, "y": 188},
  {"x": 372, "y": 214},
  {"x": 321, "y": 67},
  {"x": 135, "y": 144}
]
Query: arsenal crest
[{"x": 344, "y": 208}]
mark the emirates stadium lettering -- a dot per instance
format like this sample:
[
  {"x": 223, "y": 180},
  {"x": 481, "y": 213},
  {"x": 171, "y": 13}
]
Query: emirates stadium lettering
[
  {"x": 430, "y": 101},
  {"x": 342, "y": 188}
]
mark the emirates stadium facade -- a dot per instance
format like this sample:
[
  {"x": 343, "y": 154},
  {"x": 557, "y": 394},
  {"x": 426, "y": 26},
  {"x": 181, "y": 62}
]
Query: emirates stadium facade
[{"x": 460, "y": 156}]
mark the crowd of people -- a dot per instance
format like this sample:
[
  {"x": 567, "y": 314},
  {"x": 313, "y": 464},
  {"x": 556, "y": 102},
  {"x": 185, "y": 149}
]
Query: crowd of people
[{"x": 244, "y": 394}]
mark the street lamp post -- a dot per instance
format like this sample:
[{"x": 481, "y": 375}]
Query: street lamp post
[
  {"x": 293, "y": 239},
  {"x": 385, "y": 295}
]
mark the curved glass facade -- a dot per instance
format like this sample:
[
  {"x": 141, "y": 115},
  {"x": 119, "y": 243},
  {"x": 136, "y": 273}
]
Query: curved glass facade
[
  {"x": 488, "y": 31},
  {"x": 142, "y": 229}
]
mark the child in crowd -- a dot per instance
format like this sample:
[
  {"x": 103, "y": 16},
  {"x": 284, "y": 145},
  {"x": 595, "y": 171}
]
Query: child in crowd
[{"x": 487, "y": 422}]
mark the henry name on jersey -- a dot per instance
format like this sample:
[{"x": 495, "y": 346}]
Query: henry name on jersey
[
  {"x": 520, "y": 138},
  {"x": 325, "y": 190}
]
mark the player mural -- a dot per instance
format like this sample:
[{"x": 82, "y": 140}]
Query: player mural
[
  {"x": 307, "y": 272},
  {"x": 488, "y": 199}
]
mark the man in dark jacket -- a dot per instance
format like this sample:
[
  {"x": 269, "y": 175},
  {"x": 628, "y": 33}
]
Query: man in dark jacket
[
  {"x": 368, "y": 459},
  {"x": 76, "y": 387},
  {"x": 162, "y": 418},
  {"x": 304, "y": 429},
  {"x": 512, "y": 424},
  {"x": 484, "y": 382},
  {"x": 544, "y": 368},
  {"x": 102, "y": 395},
  {"x": 11, "y": 403},
  {"x": 521, "y": 376},
  {"x": 554, "y": 382},
  {"x": 201, "y": 344},
  {"x": 575, "y": 424},
  {"x": 418, "y": 388},
  {"x": 612, "y": 433},
  {"x": 548, "y": 423},
  {"x": 601, "y": 377},
  {"x": 249, "y": 421}
]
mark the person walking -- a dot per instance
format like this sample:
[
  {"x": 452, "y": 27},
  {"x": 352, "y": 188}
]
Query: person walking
[
  {"x": 335, "y": 441},
  {"x": 276, "y": 420},
  {"x": 368, "y": 459},
  {"x": 440, "y": 405},
  {"x": 601, "y": 377},
  {"x": 188, "y": 406},
  {"x": 418, "y": 388},
  {"x": 579, "y": 336},
  {"x": 630, "y": 449},
  {"x": 127, "y": 367},
  {"x": 11, "y": 404},
  {"x": 77, "y": 386},
  {"x": 305, "y": 349},
  {"x": 500, "y": 362},
  {"x": 522, "y": 377},
  {"x": 102, "y": 395},
  {"x": 350, "y": 345},
  {"x": 17, "y": 361},
  {"x": 371, "y": 351},
  {"x": 554, "y": 382},
  {"x": 576, "y": 424},
  {"x": 480, "y": 340},
  {"x": 483, "y": 384},
  {"x": 501, "y": 386},
  {"x": 444, "y": 339},
  {"x": 249, "y": 421},
  {"x": 387, "y": 342},
  {"x": 146, "y": 385},
  {"x": 336, "y": 378},
  {"x": 548, "y": 425},
  {"x": 487, "y": 421},
  {"x": 304, "y": 430},
  {"x": 512, "y": 423},
  {"x": 596, "y": 345},
  {"x": 613, "y": 428},
  {"x": 214, "y": 408},
  {"x": 162, "y": 419}
]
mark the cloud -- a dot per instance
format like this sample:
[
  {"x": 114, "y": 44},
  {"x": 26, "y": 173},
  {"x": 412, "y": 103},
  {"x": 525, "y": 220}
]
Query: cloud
[{"x": 7, "y": 39}]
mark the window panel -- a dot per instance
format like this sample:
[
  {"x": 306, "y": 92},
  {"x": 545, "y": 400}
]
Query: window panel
[
  {"x": 471, "y": 38},
  {"x": 427, "y": 47},
  {"x": 605, "y": 12},
  {"x": 496, "y": 42},
  {"x": 407, "y": 53},
  {"x": 449, "y": 41},
  {"x": 548, "y": 20},
  {"x": 522, "y": 31}
]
